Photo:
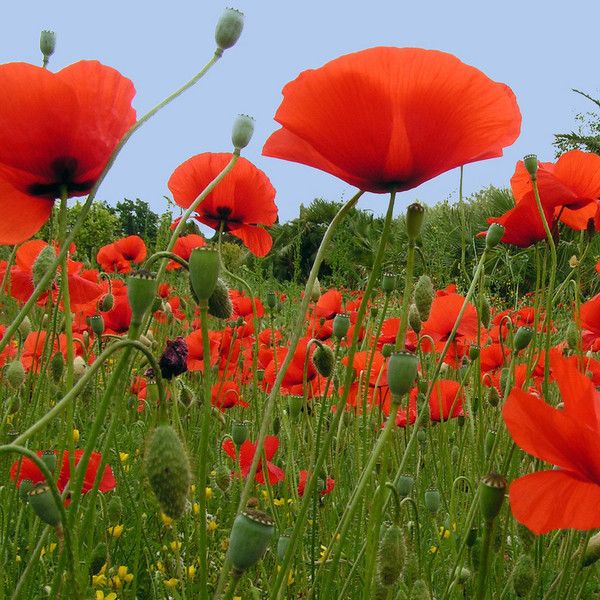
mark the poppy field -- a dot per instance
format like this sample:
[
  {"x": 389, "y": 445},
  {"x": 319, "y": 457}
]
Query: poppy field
[{"x": 196, "y": 416}]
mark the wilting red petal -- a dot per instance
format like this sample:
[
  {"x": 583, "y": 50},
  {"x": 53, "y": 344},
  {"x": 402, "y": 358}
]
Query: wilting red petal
[
  {"x": 549, "y": 500},
  {"x": 392, "y": 118}
]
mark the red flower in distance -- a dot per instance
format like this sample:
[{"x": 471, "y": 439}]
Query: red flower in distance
[
  {"x": 59, "y": 130},
  {"x": 393, "y": 118},
  {"x": 568, "y": 496},
  {"x": 183, "y": 248},
  {"x": 243, "y": 201},
  {"x": 118, "y": 256},
  {"x": 246, "y": 456},
  {"x": 325, "y": 487}
]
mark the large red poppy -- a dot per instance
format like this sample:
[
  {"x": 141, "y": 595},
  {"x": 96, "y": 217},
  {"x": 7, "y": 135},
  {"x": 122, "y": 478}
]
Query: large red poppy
[
  {"x": 58, "y": 131},
  {"x": 243, "y": 201},
  {"x": 568, "y": 496},
  {"x": 568, "y": 190},
  {"x": 392, "y": 118}
]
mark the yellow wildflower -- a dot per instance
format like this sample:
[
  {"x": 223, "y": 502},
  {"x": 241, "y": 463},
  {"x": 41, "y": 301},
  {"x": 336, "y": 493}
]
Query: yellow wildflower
[
  {"x": 116, "y": 531},
  {"x": 171, "y": 583}
]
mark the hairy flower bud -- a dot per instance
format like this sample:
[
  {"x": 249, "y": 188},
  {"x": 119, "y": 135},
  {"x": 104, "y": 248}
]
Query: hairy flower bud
[
  {"x": 219, "y": 303},
  {"x": 391, "y": 556},
  {"x": 494, "y": 235},
  {"x": 414, "y": 319},
  {"x": 323, "y": 359},
  {"x": 15, "y": 374},
  {"x": 423, "y": 296},
  {"x": 42, "y": 265}
]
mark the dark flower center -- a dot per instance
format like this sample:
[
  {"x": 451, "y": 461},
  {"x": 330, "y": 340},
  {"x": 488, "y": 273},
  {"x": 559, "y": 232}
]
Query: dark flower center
[{"x": 64, "y": 171}]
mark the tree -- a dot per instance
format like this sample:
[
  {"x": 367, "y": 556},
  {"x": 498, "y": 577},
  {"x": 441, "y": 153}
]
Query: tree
[
  {"x": 587, "y": 136},
  {"x": 137, "y": 219},
  {"x": 100, "y": 227}
]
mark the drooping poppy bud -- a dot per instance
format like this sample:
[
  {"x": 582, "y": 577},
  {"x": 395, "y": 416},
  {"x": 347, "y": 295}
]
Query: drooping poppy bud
[
  {"x": 484, "y": 312},
  {"x": 173, "y": 361},
  {"x": 243, "y": 128},
  {"x": 42, "y": 265},
  {"x": 401, "y": 372},
  {"x": 522, "y": 338},
  {"x": 419, "y": 591},
  {"x": 415, "y": 213},
  {"x": 223, "y": 478},
  {"x": 493, "y": 396},
  {"x": 432, "y": 501},
  {"x": 391, "y": 556},
  {"x": 107, "y": 302},
  {"x": 141, "y": 289},
  {"x": 294, "y": 403},
  {"x": 523, "y": 576},
  {"x": 493, "y": 236},
  {"x": 250, "y": 536},
  {"x": 43, "y": 504},
  {"x": 186, "y": 395},
  {"x": 323, "y": 359},
  {"x": 474, "y": 351},
  {"x": 168, "y": 469},
  {"x": 414, "y": 319},
  {"x": 491, "y": 495},
  {"x": 219, "y": 303},
  {"x": 229, "y": 28},
  {"x": 315, "y": 293},
  {"x": 15, "y": 374},
  {"x": 341, "y": 324},
  {"x": 25, "y": 327},
  {"x": 57, "y": 366},
  {"x": 271, "y": 300},
  {"x": 423, "y": 296},
  {"x": 204, "y": 266},
  {"x": 114, "y": 510},
  {"x": 404, "y": 485}
]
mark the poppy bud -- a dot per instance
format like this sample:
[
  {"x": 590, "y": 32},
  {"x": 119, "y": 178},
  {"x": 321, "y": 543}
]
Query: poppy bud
[
  {"x": 414, "y": 220},
  {"x": 283, "y": 542},
  {"x": 493, "y": 396},
  {"x": 25, "y": 327},
  {"x": 57, "y": 366},
  {"x": 484, "y": 312},
  {"x": 404, "y": 485},
  {"x": 168, "y": 469},
  {"x": 391, "y": 556},
  {"x": 79, "y": 368},
  {"x": 523, "y": 576},
  {"x": 15, "y": 374},
  {"x": 229, "y": 28},
  {"x": 389, "y": 282},
  {"x": 107, "y": 302},
  {"x": 219, "y": 303},
  {"x": 432, "y": 501},
  {"x": 422, "y": 437},
  {"x": 414, "y": 319},
  {"x": 341, "y": 324},
  {"x": 572, "y": 336},
  {"x": 42, "y": 265},
  {"x": 239, "y": 432},
  {"x": 294, "y": 404},
  {"x": 173, "y": 361},
  {"x": 494, "y": 235},
  {"x": 204, "y": 266},
  {"x": 243, "y": 128},
  {"x": 401, "y": 372},
  {"x": 99, "y": 558},
  {"x": 488, "y": 443},
  {"x": 491, "y": 495},
  {"x": 592, "y": 551},
  {"x": 47, "y": 44},
  {"x": 423, "y": 296},
  {"x": 531, "y": 164},
  {"x": 43, "y": 504},
  {"x": 522, "y": 338},
  {"x": 141, "y": 289},
  {"x": 419, "y": 591},
  {"x": 374, "y": 311},
  {"x": 315, "y": 293},
  {"x": 222, "y": 478},
  {"x": 186, "y": 395},
  {"x": 386, "y": 350},
  {"x": 250, "y": 536},
  {"x": 323, "y": 359},
  {"x": 114, "y": 510},
  {"x": 271, "y": 300}
]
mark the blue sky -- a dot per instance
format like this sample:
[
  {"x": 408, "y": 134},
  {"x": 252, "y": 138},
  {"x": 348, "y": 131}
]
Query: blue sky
[{"x": 540, "y": 51}]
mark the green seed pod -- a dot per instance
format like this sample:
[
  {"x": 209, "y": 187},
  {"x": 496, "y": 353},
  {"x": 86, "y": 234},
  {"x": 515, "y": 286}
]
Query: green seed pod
[
  {"x": 531, "y": 164},
  {"x": 243, "y": 128},
  {"x": 283, "y": 543},
  {"x": 386, "y": 350},
  {"x": 96, "y": 323},
  {"x": 204, "y": 267},
  {"x": 141, "y": 289},
  {"x": 523, "y": 576},
  {"x": 107, "y": 302},
  {"x": 389, "y": 282},
  {"x": 474, "y": 352},
  {"x": 471, "y": 537},
  {"x": 47, "y": 44},
  {"x": 432, "y": 501},
  {"x": 271, "y": 300},
  {"x": 25, "y": 327},
  {"x": 43, "y": 504},
  {"x": 419, "y": 591},
  {"x": 504, "y": 375},
  {"x": 168, "y": 469},
  {"x": 294, "y": 404},
  {"x": 494, "y": 235},
  {"x": 57, "y": 366},
  {"x": 250, "y": 536},
  {"x": 222, "y": 478},
  {"x": 402, "y": 372},
  {"x": 114, "y": 510},
  {"x": 42, "y": 265},
  {"x": 391, "y": 556},
  {"x": 239, "y": 432},
  {"x": 414, "y": 319},
  {"x": 423, "y": 296},
  {"x": 324, "y": 360},
  {"x": 404, "y": 485},
  {"x": 415, "y": 213},
  {"x": 341, "y": 324},
  {"x": 219, "y": 303},
  {"x": 24, "y": 489},
  {"x": 229, "y": 28},
  {"x": 15, "y": 374},
  {"x": 522, "y": 338},
  {"x": 484, "y": 312},
  {"x": 491, "y": 495},
  {"x": 493, "y": 396},
  {"x": 99, "y": 558},
  {"x": 49, "y": 459}
]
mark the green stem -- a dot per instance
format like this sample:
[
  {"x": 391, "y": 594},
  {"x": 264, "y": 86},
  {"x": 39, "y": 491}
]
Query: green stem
[
  {"x": 408, "y": 285},
  {"x": 482, "y": 586}
]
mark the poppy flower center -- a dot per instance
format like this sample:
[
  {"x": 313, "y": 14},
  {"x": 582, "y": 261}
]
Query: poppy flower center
[
  {"x": 223, "y": 212},
  {"x": 64, "y": 171}
]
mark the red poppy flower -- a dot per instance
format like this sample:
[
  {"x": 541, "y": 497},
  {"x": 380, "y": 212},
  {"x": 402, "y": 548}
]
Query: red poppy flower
[
  {"x": 118, "y": 256},
  {"x": 326, "y": 487},
  {"x": 242, "y": 202},
  {"x": 226, "y": 394},
  {"x": 27, "y": 469},
  {"x": 445, "y": 401},
  {"x": 329, "y": 304},
  {"x": 183, "y": 248},
  {"x": 568, "y": 190},
  {"x": 59, "y": 129},
  {"x": 566, "y": 497},
  {"x": 246, "y": 456},
  {"x": 393, "y": 118}
]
